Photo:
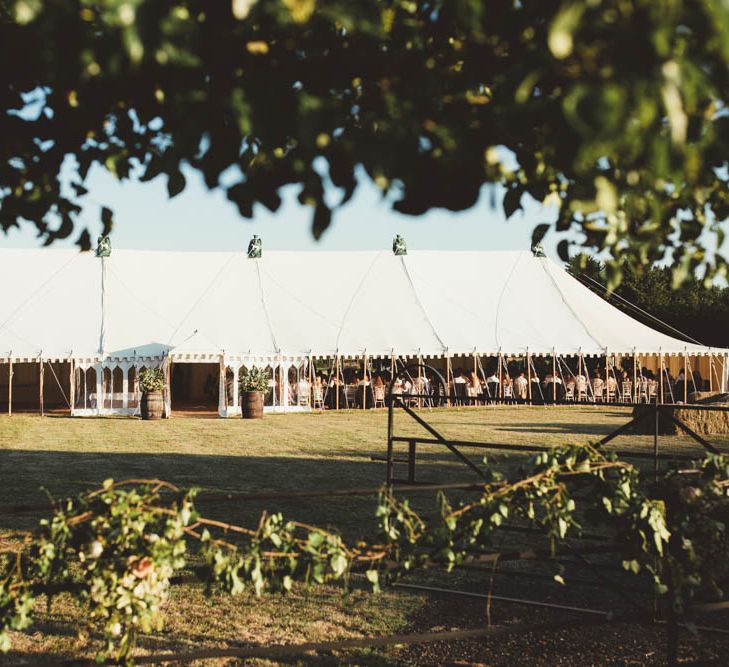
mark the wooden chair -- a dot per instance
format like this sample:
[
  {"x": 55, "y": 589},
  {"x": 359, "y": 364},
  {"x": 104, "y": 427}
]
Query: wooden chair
[
  {"x": 598, "y": 387},
  {"x": 611, "y": 391},
  {"x": 581, "y": 388},
  {"x": 627, "y": 389},
  {"x": 303, "y": 394},
  {"x": 379, "y": 393},
  {"x": 318, "y": 397},
  {"x": 652, "y": 387},
  {"x": 569, "y": 393}
]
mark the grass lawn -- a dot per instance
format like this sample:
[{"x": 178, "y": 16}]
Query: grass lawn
[{"x": 281, "y": 452}]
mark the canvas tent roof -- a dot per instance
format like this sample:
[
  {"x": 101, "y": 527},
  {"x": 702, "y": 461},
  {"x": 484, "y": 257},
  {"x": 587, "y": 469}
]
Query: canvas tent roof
[{"x": 196, "y": 305}]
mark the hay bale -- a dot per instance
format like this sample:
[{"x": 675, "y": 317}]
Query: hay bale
[{"x": 702, "y": 422}]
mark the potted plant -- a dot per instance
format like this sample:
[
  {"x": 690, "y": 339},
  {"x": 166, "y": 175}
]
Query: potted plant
[
  {"x": 151, "y": 383},
  {"x": 252, "y": 385}
]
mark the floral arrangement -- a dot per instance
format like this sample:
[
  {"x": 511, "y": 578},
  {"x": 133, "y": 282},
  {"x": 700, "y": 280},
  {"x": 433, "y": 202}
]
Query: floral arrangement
[
  {"x": 151, "y": 379},
  {"x": 255, "y": 379}
]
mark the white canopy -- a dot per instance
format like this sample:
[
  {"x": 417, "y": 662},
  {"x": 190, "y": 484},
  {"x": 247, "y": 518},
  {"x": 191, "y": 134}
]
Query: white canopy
[{"x": 199, "y": 305}]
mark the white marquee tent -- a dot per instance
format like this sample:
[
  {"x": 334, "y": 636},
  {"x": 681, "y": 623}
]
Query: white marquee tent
[{"x": 138, "y": 308}]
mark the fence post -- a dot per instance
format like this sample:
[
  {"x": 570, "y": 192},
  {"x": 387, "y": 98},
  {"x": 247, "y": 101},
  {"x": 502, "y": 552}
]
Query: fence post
[
  {"x": 390, "y": 414},
  {"x": 655, "y": 441},
  {"x": 411, "y": 461}
]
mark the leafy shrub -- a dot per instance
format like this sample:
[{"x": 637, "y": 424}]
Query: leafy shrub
[
  {"x": 255, "y": 379},
  {"x": 151, "y": 379}
]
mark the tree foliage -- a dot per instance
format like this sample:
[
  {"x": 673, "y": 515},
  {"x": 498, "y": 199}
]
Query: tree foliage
[
  {"x": 613, "y": 109},
  {"x": 698, "y": 311}
]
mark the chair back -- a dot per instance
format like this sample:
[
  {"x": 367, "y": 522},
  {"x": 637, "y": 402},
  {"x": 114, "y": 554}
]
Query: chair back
[
  {"x": 597, "y": 387},
  {"x": 627, "y": 390}
]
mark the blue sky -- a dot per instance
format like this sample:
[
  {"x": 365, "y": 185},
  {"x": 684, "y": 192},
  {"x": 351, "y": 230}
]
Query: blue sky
[{"x": 199, "y": 219}]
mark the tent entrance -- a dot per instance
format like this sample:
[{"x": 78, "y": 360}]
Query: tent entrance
[{"x": 195, "y": 388}]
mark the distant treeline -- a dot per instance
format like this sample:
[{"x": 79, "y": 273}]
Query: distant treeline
[{"x": 698, "y": 312}]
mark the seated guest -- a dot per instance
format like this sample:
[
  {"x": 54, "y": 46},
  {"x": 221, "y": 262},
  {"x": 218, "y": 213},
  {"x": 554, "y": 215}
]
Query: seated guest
[
  {"x": 537, "y": 393},
  {"x": 492, "y": 386},
  {"x": 598, "y": 386},
  {"x": 680, "y": 387},
  {"x": 570, "y": 386},
  {"x": 521, "y": 387},
  {"x": 507, "y": 390},
  {"x": 459, "y": 387},
  {"x": 612, "y": 386},
  {"x": 581, "y": 382},
  {"x": 473, "y": 387}
]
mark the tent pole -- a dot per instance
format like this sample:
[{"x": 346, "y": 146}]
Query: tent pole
[
  {"x": 71, "y": 386},
  {"x": 554, "y": 376},
  {"x": 635, "y": 375},
  {"x": 311, "y": 382},
  {"x": 607, "y": 374},
  {"x": 685, "y": 377},
  {"x": 499, "y": 392},
  {"x": 449, "y": 374},
  {"x": 420, "y": 379},
  {"x": 529, "y": 376},
  {"x": 475, "y": 370},
  {"x": 392, "y": 365},
  {"x": 40, "y": 385},
  {"x": 336, "y": 382},
  {"x": 579, "y": 374},
  {"x": 711, "y": 369},
  {"x": 10, "y": 387},
  {"x": 168, "y": 383},
  {"x": 660, "y": 375},
  {"x": 222, "y": 389},
  {"x": 364, "y": 382}
]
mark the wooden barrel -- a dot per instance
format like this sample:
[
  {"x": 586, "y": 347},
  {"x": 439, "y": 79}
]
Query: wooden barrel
[
  {"x": 152, "y": 405},
  {"x": 252, "y": 404}
]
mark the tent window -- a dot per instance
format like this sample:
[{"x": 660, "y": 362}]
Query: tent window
[
  {"x": 106, "y": 388},
  {"x": 229, "y": 380},
  {"x": 85, "y": 390},
  {"x": 271, "y": 396},
  {"x": 117, "y": 388},
  {"x": 132, "y": 389}
]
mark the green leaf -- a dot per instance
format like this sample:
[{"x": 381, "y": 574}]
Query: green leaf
[
  {"x": 539, "y": 233},
  {"x": 338, "y": 564},
  {"x": 512, "y": 201},
  {"x": 175, "y": 183},
  {"x": 316, "y": 539}
]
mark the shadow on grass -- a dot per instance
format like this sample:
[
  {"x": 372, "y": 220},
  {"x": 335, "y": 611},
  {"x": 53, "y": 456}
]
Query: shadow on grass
[{"x": 26, "y": 473}]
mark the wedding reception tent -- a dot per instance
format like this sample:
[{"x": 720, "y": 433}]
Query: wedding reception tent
[{"x": 76, "y": 329}]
